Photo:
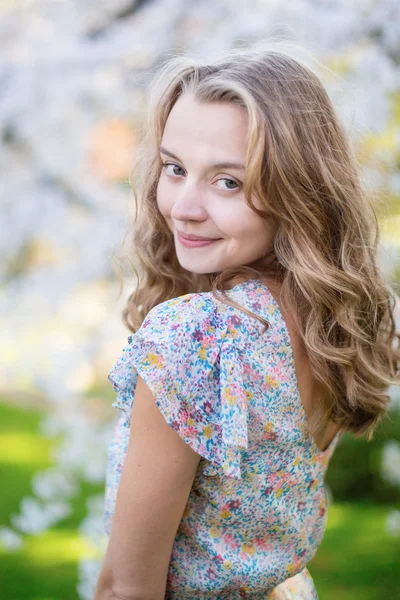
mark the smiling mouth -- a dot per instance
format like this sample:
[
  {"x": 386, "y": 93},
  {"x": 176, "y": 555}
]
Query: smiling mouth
[{"x": 195, "y": 243}]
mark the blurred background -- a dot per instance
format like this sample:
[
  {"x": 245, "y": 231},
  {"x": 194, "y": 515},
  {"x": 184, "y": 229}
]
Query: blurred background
[{"x": 73, "y": 77}]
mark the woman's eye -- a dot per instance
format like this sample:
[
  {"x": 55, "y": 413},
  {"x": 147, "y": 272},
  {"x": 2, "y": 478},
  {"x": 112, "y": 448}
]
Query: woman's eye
[
  {"x": 229, "y": 183},
  {"x": 173, "y": 170}
]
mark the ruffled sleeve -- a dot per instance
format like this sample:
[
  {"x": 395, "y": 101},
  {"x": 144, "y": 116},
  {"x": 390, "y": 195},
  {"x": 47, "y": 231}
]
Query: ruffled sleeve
[{"x": 187, "y": 350}]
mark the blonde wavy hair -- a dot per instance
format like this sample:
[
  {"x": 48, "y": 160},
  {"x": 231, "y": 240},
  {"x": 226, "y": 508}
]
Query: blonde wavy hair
[{"x": 299, "y": 164}]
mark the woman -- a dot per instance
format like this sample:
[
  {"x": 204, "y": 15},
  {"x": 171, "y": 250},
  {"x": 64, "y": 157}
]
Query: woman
[{"x": 262, "y": 330}]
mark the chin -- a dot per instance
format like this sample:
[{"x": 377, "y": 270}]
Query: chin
[{"x": 197, "y": 271}]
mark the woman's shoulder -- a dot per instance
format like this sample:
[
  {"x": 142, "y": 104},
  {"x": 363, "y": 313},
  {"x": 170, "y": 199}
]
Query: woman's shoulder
[
  {"x": 200, "y": 313},
  {"x": 185, "y": 307},
  {"x": 182, "y": 315}
]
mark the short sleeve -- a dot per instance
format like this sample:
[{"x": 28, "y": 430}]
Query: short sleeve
[{"x": 187, "y": 352}]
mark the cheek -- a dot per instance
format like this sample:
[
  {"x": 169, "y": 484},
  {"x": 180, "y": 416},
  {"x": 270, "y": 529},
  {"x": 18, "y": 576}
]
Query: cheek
[{"x": 243, "y": 224}]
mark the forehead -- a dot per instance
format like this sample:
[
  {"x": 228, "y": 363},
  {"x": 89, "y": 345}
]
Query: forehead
[{"x": 219, "y": 126}]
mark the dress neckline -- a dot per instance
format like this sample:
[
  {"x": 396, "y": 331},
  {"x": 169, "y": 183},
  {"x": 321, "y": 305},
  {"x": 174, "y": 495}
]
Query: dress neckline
[{"x": 279, "y": 317}]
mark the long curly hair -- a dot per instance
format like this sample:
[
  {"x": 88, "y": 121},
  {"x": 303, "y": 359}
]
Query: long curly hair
[{"x": 300, "y": 165}]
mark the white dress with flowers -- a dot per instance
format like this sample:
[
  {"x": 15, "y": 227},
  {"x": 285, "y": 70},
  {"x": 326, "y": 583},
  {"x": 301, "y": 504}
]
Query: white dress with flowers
[{"x": 256, "y": 512}]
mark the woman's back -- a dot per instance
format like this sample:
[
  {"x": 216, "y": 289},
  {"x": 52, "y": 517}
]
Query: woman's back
[{"x": 307, "y": 384}]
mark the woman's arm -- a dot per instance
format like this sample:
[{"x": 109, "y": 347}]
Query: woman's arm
[{"x": 155, "y": 483}]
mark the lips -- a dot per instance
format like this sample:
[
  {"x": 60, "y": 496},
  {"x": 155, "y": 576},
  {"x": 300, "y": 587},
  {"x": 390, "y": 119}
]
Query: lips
[
  {"x": 195, "y": 243},
  {"x": 195, "y": 237}
]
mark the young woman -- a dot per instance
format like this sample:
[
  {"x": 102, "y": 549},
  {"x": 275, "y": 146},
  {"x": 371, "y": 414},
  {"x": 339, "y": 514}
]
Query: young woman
[{"x": 262, "y": 330}]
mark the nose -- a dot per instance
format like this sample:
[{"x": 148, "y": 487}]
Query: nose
[{"x": 188, "y": 205}]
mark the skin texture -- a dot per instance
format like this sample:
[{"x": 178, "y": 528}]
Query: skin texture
[{"x": 196, "y": 198}]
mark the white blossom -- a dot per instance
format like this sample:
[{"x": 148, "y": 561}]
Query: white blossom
[
  {"x": 89, "y": 570},
  {"x": 391, "y": 462},
  {"x": 10, "y": 540},
  {"x": 35, "y": 517},
  {"x": 54, "y": 483},
  {"x": 92, "y": 526},
  {"x": 392, "y": 523}
]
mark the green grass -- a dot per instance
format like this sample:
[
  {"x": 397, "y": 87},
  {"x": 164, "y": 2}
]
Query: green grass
[
  {"x": 45, "y": 568},
  {"x": 23, "y": 453},
  {"x": 357, "y": 559}
]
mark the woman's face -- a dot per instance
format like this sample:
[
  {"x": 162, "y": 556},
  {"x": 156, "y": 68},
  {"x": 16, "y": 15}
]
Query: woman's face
[{"x": 200, "y": 191}]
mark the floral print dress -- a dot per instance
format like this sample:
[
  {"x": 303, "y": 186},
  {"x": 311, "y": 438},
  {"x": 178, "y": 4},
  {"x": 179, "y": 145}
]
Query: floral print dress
[{"x": 256, "y": 512}]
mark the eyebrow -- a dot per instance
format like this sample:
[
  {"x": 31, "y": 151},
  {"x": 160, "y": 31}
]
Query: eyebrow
[{"x": 221, "y": 165}]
